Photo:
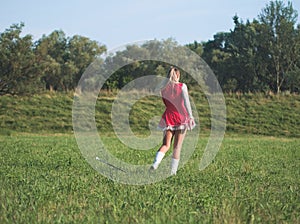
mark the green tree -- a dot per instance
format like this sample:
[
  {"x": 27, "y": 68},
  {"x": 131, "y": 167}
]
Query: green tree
[
  {"x": 18, "y": 67},
  {"x": 293, "y": 77},
  {"x": 81, "y": 52},
  {"x": 126, "y": 68},
  {"x": 51, "y": 52},
  {"x": 245, "y": 64},
  {"x": 279, "y": 38},
  {"x": 216, "y": 55},
  {"x": 260, "y": 55},
  {"x": 196, "y": 47},
  {"x": 63, "y": 60}
]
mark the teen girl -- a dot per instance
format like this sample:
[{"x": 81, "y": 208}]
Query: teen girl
[{"x": 176, "y": 119}]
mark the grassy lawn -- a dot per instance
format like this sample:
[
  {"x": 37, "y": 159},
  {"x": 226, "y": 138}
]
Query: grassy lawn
[
  {"x": 45, "y": 179},
  {"x": 254, "y": 178}
]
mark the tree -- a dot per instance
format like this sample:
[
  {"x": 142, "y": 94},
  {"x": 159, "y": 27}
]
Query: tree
[
  {"x": 293, "y": 77},
  {"x": 196, "y": 47},
  {"x": 217, "y": 57},
  {"x": 245, "y": 62},
  {"x": 260, "y": 55},
  {"x": 17, "y": 62},
  {"x": 63, "y": 60},
  {"x": 279, "y": 38},
  {"x": 135, "y": 61},
  {"x": 81, "y": 51},
  {"x": 51, "y": 53}
]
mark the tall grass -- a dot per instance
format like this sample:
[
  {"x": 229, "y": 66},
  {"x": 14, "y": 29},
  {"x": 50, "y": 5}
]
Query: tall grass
[{"x": 260, "y": 114}]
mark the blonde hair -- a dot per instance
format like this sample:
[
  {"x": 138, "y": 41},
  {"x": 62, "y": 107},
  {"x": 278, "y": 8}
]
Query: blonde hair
[
  {"x": 172, "y": 74},
  {"x": 171, "y": 78}
]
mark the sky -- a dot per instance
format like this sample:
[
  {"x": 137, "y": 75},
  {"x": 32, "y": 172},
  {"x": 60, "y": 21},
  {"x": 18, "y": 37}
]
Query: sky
[{"x": 118, "y": 22}]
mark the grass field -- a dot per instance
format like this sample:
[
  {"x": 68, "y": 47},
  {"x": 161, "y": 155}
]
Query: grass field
[
  {"x": 44, "y": 179},
  {"x": 257, "y": 114},
  {"x": 254, "y": 178}
]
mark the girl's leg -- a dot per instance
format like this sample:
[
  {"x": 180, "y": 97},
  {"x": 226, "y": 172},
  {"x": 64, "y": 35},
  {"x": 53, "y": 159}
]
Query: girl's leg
[
  {"x": 179, "y": 137},
  {"x": 168, "y": 135},
  {"x": 167, "y": 140}
]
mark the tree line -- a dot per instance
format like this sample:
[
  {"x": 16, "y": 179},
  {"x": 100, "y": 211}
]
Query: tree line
[
  {"x": 54, "y": 62},
  {"x": 255, "y": 56},
  {"x": 258, "y": 55}
]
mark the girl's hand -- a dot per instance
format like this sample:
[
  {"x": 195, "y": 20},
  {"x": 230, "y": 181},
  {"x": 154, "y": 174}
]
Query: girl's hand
[{"x": 191, "y": 123}]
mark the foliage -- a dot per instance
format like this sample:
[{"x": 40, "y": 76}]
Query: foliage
[
  {"x": 54, "y": 62},
  {"x": 262, "y": 55},
  {"x": 65, "y": 59},
  {"x": 125, "y": 69},
  {"x": 18, "y": 65}
]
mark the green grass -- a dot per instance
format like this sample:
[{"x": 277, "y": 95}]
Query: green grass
[
  {"x": 254, "y": 178},
  {"x": 246, "y": 114},
  {"x": 45, "y": 179},
  {"x": 39, "y": 113},
  {"x": 264, "y": 115}
]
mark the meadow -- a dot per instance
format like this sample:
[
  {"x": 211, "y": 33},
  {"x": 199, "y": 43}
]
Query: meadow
[
  {"x": 254, "y": 178},
  {"x": 259, "y": 114},
  {"x": 45, "y": 179}
]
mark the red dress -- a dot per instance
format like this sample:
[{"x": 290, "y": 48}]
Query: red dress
[{"x": 175, "y": 116}]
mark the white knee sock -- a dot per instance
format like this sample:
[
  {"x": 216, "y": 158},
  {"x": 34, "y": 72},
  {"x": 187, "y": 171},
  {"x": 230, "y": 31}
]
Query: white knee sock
[
  {"x": 174, "y": 166},
  {"x": 158, "y": 158}
]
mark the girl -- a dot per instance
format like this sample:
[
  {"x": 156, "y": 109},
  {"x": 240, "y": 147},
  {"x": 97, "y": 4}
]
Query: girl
[{"x": 176, "y": 119}]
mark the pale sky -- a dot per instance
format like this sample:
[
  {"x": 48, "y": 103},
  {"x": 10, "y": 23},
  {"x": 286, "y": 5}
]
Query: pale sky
[{"x": 115, "y": 23}]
